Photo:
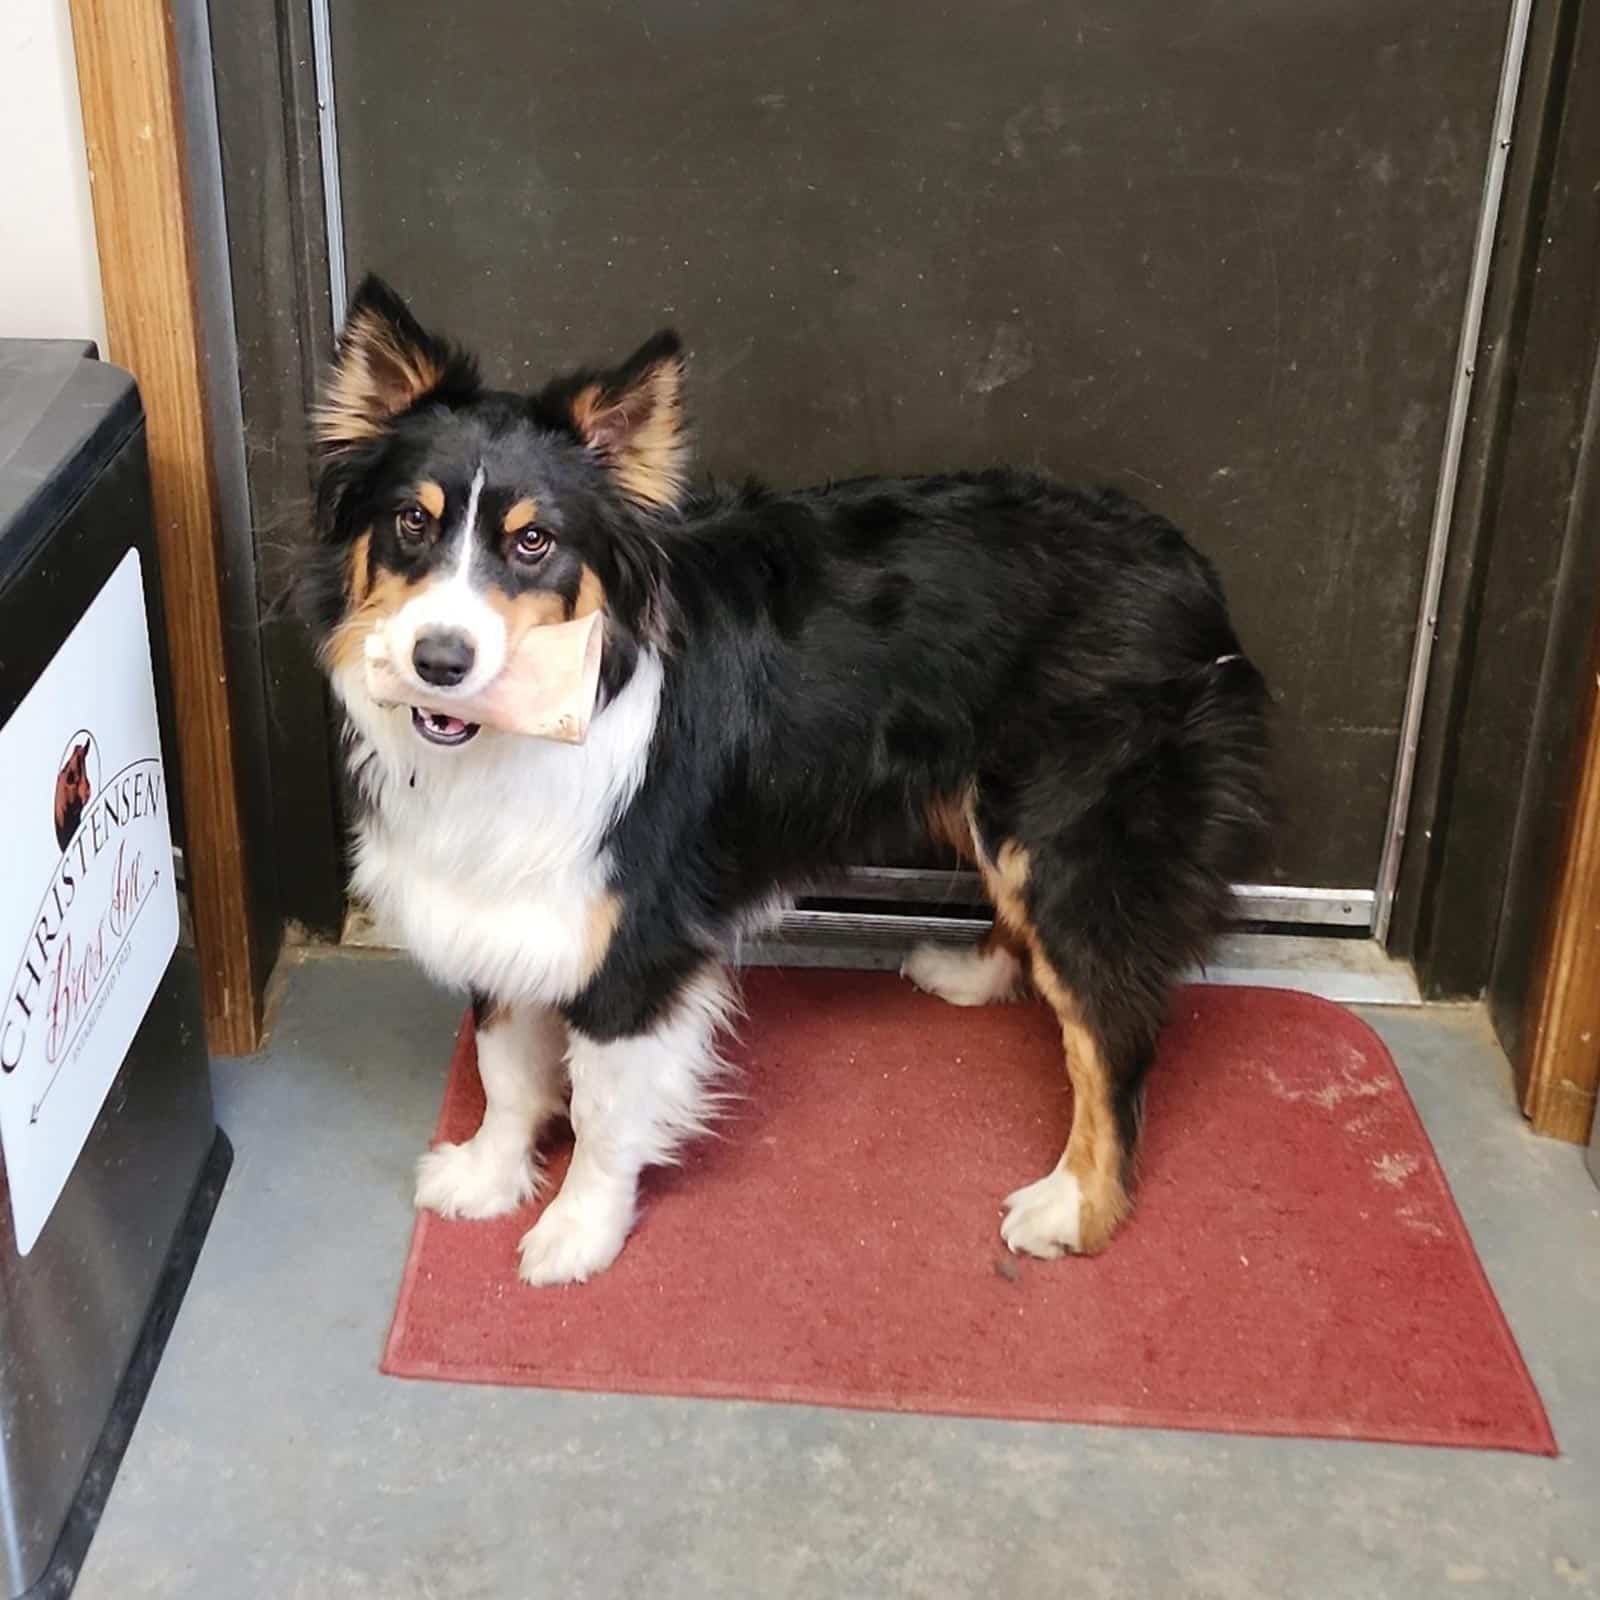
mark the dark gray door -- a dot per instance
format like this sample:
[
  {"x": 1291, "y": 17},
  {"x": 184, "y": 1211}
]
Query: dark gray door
[{"x": 1214, "y": 253}]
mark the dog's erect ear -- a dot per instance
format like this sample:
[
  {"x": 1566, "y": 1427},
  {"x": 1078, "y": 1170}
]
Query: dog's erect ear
[
  {"x": 632, "y": 418},
  {"x": 385, "y": 364}
]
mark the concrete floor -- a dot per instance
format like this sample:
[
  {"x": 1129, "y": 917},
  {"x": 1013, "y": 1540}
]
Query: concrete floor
[{"x": 272, "y": 1460}]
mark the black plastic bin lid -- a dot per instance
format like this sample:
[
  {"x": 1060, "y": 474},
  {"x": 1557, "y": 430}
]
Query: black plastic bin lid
[{"x": 63, "y": 416}]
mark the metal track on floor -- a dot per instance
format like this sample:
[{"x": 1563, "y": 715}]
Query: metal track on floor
[
  {"x": 1254, "y": 902},
  {"x": 1351, "y": 971}
]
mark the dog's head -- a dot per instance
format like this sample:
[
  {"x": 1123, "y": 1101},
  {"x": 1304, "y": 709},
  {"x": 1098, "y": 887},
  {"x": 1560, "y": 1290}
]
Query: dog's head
[
  {"x": 452, "y": 518},
  {"x": 72, "y": 783}
]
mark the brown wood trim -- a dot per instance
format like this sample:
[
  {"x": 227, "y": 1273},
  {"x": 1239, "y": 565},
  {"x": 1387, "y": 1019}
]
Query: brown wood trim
[
  {"x": 1560, "y": 1070},
  {"x": 133, "y": 128}
]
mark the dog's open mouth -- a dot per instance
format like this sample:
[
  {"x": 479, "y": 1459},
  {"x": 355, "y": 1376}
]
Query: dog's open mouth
[{"x": 437, "y": 728}]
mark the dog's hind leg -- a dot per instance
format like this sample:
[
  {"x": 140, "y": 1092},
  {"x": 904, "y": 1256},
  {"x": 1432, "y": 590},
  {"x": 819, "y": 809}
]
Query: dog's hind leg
[
  {"x": 1118, "y": 884},
  {"x": 981, "y": 974},
  {"x": 1109, "y": 1002},
  {"x": 1080, "y": 1203},
  {"x": 520, "y": 1052}
]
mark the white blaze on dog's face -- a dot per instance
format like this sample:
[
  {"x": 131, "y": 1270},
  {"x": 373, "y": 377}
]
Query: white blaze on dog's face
[
  {"x": 467, "y": 517},
  {"x": 447, "y": 636}
]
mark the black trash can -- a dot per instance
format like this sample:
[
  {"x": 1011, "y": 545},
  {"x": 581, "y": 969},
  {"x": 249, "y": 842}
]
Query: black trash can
[{"x": 111, "y": 1160}]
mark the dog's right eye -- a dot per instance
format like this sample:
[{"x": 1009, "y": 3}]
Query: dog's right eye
[{"x": 412, "y": 525}]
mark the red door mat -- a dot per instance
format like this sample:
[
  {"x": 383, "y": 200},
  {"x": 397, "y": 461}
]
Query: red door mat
[{"x": 1296, "y": 1264}]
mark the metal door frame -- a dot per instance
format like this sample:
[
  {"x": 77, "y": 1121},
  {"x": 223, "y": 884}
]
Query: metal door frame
[{"x": 1444, "y": 504}]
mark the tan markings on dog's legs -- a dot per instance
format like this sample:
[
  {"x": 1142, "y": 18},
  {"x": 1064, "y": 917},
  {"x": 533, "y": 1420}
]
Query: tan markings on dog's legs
[
  {"x": 997, "y": 968},
  {"x": 1054, "y": 1214},
  {"x": 1094, "y": 1154},
  {"x": 1003, "y": 937},
  {"x": 1006, "y": 879}
]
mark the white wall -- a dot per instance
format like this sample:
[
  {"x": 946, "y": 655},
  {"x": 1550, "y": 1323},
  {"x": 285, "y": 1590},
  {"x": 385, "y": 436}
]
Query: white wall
[{"x": 49, "y": 277}]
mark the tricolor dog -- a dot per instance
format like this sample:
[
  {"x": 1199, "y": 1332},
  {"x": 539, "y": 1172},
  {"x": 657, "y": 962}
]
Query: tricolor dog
[{"x": 1042, "y": 678}]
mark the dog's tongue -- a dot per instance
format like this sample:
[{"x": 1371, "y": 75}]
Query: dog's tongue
[{"x": 448, "y": 726}]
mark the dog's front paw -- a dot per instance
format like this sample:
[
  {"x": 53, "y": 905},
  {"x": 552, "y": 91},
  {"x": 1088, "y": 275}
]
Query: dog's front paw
[
  {"x": 576, "y": 1237},
  {"x": 476, "y": 1179},
  {"x": 1045, "y": 1218}
]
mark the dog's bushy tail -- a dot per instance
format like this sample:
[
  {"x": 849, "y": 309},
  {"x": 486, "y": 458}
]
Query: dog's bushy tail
[{"x": 1226, "y": 741}]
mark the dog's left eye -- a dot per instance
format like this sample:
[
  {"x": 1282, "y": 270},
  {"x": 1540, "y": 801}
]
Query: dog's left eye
[
  {"x": 533, "y": 544},
  {"x": 412, "y": 524}
]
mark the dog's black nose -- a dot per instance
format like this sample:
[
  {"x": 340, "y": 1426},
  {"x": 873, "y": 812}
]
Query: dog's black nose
[{"x": 442, "y": 656}]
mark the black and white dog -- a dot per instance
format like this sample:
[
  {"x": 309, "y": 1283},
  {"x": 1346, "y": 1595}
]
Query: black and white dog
[{"x": 1042, "y": 678}]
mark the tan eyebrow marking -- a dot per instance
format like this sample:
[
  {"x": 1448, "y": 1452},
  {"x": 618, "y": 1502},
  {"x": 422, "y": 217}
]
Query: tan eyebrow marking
[
  {"x": 519, "y": 516},
  {"x": 431, "y": 498}
]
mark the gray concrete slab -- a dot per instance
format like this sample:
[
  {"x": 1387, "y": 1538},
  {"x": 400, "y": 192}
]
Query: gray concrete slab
[{"x": 273, "y": 1461}]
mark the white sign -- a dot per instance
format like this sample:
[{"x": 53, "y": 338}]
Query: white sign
[{"x": 88, "y": 905}]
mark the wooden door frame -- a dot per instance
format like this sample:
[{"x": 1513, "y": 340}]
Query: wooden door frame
[
  {"x": 130, "y": 87},
  {"x": 1543, "y": 988},
  {"x": 1544, "y": 993},
  {"x": 1558, "y": 1070}
]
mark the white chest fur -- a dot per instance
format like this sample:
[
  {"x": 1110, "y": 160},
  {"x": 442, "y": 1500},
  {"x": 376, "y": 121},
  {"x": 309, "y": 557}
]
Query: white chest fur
[{"x": 486, "y": 861}]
